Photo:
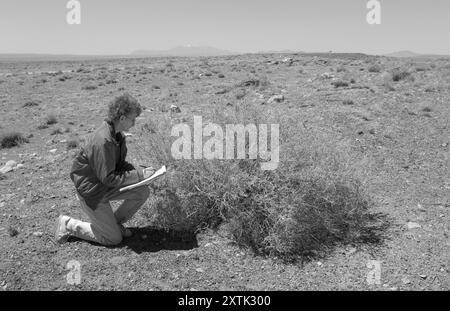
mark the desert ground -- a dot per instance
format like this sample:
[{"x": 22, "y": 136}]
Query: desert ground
[{"x": 402, "y": 125}]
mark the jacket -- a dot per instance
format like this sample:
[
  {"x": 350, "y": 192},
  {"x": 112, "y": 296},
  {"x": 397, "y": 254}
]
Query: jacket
[{"x": 100, "y": 165}]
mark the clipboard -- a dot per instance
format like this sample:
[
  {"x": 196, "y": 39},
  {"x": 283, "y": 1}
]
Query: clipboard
[{"x": 146, "y": 181}]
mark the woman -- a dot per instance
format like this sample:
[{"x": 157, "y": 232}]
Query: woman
[{"x": 98, "y": 172}]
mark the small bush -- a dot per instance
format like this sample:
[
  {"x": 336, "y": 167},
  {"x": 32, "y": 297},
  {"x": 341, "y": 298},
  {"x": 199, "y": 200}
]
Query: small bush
[
  {"x": 13, "y": 139},
  {"x": 56, "y": 132},
  {"x": 311, "y": 202},
  {"x": 89, "y": 87},
  {"x": 12, "y": 231},
  {"x": 339, "y": 84},
  {"x": 72, "y": 144},
  {"x": 348, "y": 102},
  {"x": 31, "y": 104},
  {"x": 341, "y": 69},
  {"x": 374, "y": 68},
  {"x": 42, "y": 126},
  {"x": 51, "y": 119},
  {"x": 400, "y": 74}
]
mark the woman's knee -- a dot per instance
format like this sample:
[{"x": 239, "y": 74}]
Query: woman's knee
[
  {"x": 113, "y": 238},
  {"x": 143, "y": 192}
]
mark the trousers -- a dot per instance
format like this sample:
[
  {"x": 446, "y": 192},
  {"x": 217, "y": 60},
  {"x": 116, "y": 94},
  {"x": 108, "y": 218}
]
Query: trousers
[{"x": 104, "y": 226}]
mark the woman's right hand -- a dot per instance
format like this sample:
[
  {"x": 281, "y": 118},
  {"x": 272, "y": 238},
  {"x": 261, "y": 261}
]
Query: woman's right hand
[{"x": 148, "y": 171}]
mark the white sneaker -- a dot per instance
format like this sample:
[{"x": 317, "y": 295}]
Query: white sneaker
[
  {"x": 61, "y": 233},
  {"x": 126, "y": 233}
]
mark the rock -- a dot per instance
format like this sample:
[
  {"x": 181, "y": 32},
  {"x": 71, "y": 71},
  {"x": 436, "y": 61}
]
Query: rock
[
  {"x": 38, "y": 234},
  {"x": 52, "y": 150},
  {"x": 19, "y": 166},
  {"x": 200, "y": 270},
  {"x": 288, "y": 60},
  {"x": 276, "y": 98},
  {"x": 9, "y": 166},
  {"x": 326, "y": 75},
  {"x": 175, "y": 109},
  {"x": 423, "y": 276},
  {"x": 405, "y": 280},
  {"x": 413, "y": 225},
  {"x": 319, "y": 263}
]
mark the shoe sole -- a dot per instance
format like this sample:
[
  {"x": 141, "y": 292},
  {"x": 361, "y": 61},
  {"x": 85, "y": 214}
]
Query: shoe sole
[{"x": 58, "y": 239}]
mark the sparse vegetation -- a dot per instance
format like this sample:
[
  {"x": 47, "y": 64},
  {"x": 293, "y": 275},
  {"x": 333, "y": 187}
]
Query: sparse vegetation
[
  {"x": 31, "y": 103},
  {"x": 339, "y": 84},
  {"x": 374, "y": 68},
  {"x": 56, "y": 131},
  {"x": 72, "y": 144},
  {"x": 90, "y": 87},
  {"x": 12, "y": 139},
  {"x": 42, "y": 126},
  {"x": 401, "y": 74},
  {"x": 293, "y": 211},
  {"x": 348, "y": 102}
]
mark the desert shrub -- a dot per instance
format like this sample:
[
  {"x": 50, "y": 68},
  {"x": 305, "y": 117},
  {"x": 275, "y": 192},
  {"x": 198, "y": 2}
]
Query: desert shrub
[
  {"x": 347, "y": 102},
  {"x": 31, "y": 103},
  {"x": 89, "y": 87},
  {"x": 56, "y": 131},
  {"x": 51, "y": 119},
  {"x": 400, "y": 74},
  {"x": 12, "y": 139},
  {"x": 72, "y": 144},
  {"x": 42, "y": 126},
  {"x": 314, "y": 200},
  {"x": 341, "y": 69},
  {"x": 374, "y": 68},
  {"x": 339, "y": 84}
]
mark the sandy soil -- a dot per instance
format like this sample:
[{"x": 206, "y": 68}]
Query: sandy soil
[{"x": 403, "y": 126}]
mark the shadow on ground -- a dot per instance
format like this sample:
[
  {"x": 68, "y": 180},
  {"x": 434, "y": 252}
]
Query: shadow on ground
[{"x": 151, "y": 239}]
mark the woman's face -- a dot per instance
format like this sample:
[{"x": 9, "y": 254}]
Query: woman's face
[{"x": 128, "y": 121}]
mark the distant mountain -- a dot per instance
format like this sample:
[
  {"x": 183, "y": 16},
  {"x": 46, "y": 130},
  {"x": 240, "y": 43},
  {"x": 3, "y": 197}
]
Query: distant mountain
[
  {"x": 278, "y": 52},
  {"x": 402, "y": 54},
  {"x": 189, "y": 51}
]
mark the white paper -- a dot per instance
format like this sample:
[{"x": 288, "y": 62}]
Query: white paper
[{"x": 146, "y": 181}]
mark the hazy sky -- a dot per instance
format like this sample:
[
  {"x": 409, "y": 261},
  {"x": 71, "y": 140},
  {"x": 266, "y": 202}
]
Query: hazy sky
[{"x": 122, "y": 26}]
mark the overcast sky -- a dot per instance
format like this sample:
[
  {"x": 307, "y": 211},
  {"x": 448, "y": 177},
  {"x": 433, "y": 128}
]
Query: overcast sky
[{"x": 122, "y": 26}]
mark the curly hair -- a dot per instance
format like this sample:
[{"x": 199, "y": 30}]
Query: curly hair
[{"x": 122, "y": 106}]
